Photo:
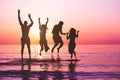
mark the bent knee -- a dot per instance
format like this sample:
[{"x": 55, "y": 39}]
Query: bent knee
[{"x": 41, "y": 49}]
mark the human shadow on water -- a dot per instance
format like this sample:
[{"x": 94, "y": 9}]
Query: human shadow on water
[
  {"x": 58, "y": 75},
  {"x": 72, "y": 66},
  {"x": 54, "y": 70},
  {"x": 43, "y": 66},
  {"x": 43, "y": 70},
  {"x": 26, "y": 69},
  {"x": 72, "y": 69},
  {"x": 46, "y": 73}
]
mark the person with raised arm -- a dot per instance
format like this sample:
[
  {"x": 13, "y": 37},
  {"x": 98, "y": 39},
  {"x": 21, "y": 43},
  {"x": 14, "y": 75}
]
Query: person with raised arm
[
  {"x": 25, "y": 34},
  {"x": 43, "y": 40},
  {"x": 72, "y": 45}
]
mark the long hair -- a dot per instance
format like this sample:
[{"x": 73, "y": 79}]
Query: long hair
[{"x": 72, "y": 32}]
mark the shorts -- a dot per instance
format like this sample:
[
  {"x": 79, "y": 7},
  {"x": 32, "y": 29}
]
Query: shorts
[
  {"x": 57, "y": 39},
  {"x": 25, "y": 40}
]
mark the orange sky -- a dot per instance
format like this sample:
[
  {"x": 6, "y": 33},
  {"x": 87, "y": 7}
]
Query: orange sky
[{"x": 97, "y": 20}]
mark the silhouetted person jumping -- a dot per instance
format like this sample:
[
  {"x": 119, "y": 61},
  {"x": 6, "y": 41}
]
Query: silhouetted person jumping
[
  {"x": 72, "y": 35},
  {"x": 25, "y": 31},
  {"x": 57, "y": 30},
  {"x": 43, "y": 41}
]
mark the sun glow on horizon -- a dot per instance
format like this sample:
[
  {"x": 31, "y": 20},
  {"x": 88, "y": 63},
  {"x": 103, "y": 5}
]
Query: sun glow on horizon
[{"x": 35, "y": 34}]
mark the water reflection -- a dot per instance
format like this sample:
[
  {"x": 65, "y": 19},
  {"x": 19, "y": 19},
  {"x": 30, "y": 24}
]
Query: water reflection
[
  {"x": 49, "y": 70},
  {"x": 26, "y": 69},
  {"x": 43, "y": 66},
  {"x": 72, "y": 69},
  {"x": 72, "y": 66},
  {"x": 58, "y": 73},
  {"x": 54, "y": 70}
]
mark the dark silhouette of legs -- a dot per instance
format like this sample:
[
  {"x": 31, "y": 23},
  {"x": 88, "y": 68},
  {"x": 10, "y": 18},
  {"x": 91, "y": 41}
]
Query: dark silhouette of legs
[
  {"x": 58, "y": 57},
  {"x": 22, "y": 50},
  {"x": 53, "y": 50},
  {"x": 43, "y": 44},
  {"x": 46, "y": 46},
  {"x": 28, "y": 46},
  {"x": 41, "y": 48},
  {"x": 75, "y": 55},
  {"x": 71, "y": 49},
  {"x": 71, "y": 55},
  {"x": 54, "y": 47},
  {"x": 61, "y": 44},
  {"x": 23, "y": 42}
]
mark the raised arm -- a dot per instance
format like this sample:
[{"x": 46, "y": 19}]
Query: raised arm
[
  {"x": 20, "y": 22},
  {"x": 30, "y": 20},
  {"x": 47, "y": 21},
  {"x": 39, "y": 23},
  {"x": 77, "y": 34}
]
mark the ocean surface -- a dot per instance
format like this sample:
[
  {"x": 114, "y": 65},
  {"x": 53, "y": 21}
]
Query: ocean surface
[{"x": 95, "y": 62}]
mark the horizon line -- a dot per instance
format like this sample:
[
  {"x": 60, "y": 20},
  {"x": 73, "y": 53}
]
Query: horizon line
[{"x": 65, "y": 44}]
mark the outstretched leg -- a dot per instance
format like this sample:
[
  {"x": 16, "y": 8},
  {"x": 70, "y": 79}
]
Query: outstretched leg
[
  {"x": 41, "y": 48},
  {"x": 46, "y": 46},
  {"x": 61, "y": 44},
  {"x": 53, "y": 50},
  {"x": 58, "y": 57},
  {"x": 54, "y": 47}
]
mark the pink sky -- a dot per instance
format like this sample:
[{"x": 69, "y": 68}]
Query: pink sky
[{"x": 97, "y": 20}]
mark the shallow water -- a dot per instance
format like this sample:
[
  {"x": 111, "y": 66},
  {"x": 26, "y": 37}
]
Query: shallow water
[{"x": 96, "y": 62}]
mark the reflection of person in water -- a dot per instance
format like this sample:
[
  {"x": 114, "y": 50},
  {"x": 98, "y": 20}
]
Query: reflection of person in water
[
  {"x": 72, "y": 35},
  {"x": 72, "y": 66},
  {"x": 43, "y": 40},
  {"x": 58, "y": 73},
  {"x": 25, "y": 31},
  {"x": 43, "y": 68},
  {"x": 26, "y": 72}
]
